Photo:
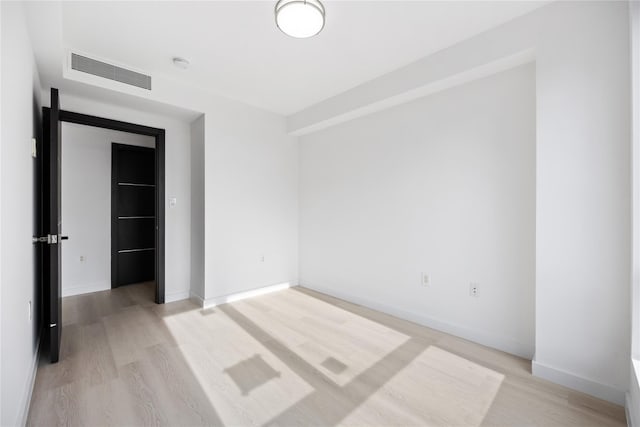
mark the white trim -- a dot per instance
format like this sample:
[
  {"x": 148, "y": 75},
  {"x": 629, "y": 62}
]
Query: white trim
[
  {"x": 68, "y": 291},
  {"x": 632, "y": 398},
  {"x": 31, "y": 382},
  {"x": 500, "y": 343},
  {"x": 176, "y": 296},
  {"x": 632, "y": 404},
  {"x": 634, "y": 42},
  {"x": 212, "y": 302},
  {"x": 196, "y": 298},
  {"x": 629, "y": 410},
  {"x": 576, "y": 382}
]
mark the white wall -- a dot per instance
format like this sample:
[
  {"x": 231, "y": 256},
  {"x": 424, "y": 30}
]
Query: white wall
[
  {"x": 583, "y": 207},
  {"x": 21, "y": 120},
  {"x": 251, "y": 199},
  {"x": 444, "y": 185},
  {"x": 86, "y": 205},
  {"x": 583, "y": 198},
  {"x": 197, "y": 208},
  {"x": 177, "y": 183}
]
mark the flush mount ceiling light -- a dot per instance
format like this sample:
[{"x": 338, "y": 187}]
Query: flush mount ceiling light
[{"x": 300, "y": 18}]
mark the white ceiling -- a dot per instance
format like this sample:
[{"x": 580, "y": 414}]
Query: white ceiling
[{"x": 237, "y": 51}]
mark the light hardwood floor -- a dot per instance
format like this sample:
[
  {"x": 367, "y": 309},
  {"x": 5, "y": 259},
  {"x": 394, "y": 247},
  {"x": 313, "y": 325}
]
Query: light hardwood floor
[{"x": 292, "y": 358}]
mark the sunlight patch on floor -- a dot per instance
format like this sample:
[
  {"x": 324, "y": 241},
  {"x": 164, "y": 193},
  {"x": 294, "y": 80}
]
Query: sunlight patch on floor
[
  {"x": 447, "y": 390},
  {"x": 269, "y": 359},
  {"x": 244, "y": 381},
  {"x": 339, "y": 344}
]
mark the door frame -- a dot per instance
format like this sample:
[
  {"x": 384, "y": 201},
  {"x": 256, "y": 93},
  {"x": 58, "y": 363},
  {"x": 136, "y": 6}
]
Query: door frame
[{"x": 159, "y": 135}]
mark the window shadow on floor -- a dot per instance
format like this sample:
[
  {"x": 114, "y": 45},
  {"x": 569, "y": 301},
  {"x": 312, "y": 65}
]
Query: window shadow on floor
[
  {"x": 334, "y": 365},
  {"x": 329, "y": 403},
  {"x": 407, "y": 399},
  {"x": 251, "y": 373}
]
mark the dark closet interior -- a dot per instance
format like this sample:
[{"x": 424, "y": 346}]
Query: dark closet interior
[{"x": 133, "y": 216}]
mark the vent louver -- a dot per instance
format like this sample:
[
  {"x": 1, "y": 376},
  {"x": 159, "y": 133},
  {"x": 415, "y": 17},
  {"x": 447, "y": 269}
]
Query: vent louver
[{"x": 111, "y": 72}]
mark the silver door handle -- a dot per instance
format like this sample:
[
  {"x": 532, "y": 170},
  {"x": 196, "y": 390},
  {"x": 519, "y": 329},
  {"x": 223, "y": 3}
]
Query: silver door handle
[{"x": 51, "y": 239}]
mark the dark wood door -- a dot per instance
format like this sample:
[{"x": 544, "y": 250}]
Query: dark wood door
[
  {"x": 133, "y": 215},
  {"x": 52, "y": 219}
]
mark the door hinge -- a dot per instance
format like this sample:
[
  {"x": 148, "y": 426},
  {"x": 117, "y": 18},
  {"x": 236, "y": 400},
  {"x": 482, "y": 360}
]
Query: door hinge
[{"x": 51, "y": 239}]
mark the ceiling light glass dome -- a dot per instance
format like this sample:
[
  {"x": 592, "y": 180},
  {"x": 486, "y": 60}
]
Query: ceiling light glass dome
[{"x": 300, "y": 18}]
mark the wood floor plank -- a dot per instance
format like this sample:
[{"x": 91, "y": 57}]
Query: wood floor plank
[
  {"x": 85, "y": 355},
  {"x": 292, "y": 358},
  {"x": 132, "y": 330}
]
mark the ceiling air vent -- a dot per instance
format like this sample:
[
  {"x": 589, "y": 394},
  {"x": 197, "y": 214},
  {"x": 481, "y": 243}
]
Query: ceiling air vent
[{"x": 111, "y": 72}]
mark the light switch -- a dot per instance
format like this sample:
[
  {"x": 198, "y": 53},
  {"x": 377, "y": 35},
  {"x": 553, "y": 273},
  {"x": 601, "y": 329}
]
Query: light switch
[{"x": 172, "y": 202}]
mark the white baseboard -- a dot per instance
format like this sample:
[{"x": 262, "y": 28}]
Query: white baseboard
[
  {"x": 576, "y": 382},
  {"x": 197, "y": 299},
  {"x": 500, "y": 343},
  {"x": 176, "y": 296},
  {"x": 212, "y": 302},
  {"x": 630, "y": 409},
  {"x": 31, "y": 381},
  {"x": 632, "y": 406},
  {"x": 68, "y": 291}
]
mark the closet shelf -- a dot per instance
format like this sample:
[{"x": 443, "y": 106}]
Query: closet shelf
[
  {"x": 133, "y": 184},
  {"x": 126, "y": 251}
]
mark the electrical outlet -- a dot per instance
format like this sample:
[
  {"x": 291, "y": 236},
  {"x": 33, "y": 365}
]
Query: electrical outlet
[
  {"x": 262, "y": 258},
  {"x": 425, "y": 279},
  {"x": 474, "y": 289},
  {"x": 81, "y": 258}
]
